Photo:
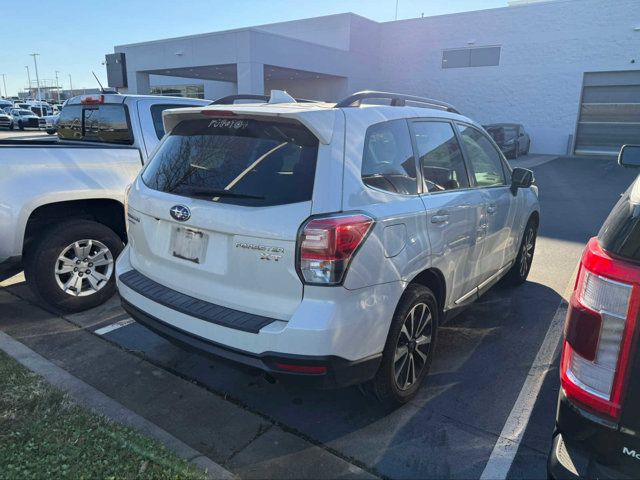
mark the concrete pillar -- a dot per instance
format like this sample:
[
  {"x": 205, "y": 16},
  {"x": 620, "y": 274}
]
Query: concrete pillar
[
  {"x": 250, "y": 77},
  {"x": 142, "y": 85}
]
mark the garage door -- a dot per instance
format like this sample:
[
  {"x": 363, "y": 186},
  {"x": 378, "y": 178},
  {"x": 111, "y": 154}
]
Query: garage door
[{"x": 609, "y": 113}]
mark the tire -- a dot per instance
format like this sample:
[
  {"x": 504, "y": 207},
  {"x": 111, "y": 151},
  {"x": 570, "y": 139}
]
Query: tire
[
  {"x": 516, "y": 151},
  {"x": 518, "y": 273},
  {"x": 51, "y": 132},
  {"x": 526, "y": 152},
  {"x": 11, "y": 127},
  {"x": 83, "y": 291},
  {"x": 20, "y": 126},
  {"x": 392, "y": 385}
]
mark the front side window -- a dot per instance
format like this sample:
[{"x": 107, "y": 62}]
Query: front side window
[
  {"x": 440, "y": 157},
  {"x": 156, "y": 116},
  {"x": 484, "y": 160},
  {"x": 236, "y": 161},
  {"x": 388, "y": 162}
]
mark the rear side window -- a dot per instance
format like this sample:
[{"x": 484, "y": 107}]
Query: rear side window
[
  {"x": 440, "y": 156},
  {"x": 156, "y": 116},
  {"x": 236, "y": 161},
  {"x": 484, "y": 160},
  {"x": 388, "y": 162},
  {"x": 99, "y": 123}
]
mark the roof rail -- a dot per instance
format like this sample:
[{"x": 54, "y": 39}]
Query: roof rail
[
  {"x": 231, "y": 99},
  {"x": 397, "y": 100}
]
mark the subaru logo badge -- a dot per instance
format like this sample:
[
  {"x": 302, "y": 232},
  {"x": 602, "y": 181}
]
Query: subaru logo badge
[{"x": 180, "y": 213}]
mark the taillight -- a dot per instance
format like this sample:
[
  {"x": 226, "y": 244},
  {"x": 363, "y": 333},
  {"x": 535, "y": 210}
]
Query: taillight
[
  {"x": 599, "y": 332},
  {"x": 326, "y": 246}
]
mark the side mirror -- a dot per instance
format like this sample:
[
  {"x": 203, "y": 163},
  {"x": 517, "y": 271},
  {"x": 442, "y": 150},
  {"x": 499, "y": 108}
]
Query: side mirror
[
  {"x": 629, "y": 156},
  {"x": 521, "y": 178}
]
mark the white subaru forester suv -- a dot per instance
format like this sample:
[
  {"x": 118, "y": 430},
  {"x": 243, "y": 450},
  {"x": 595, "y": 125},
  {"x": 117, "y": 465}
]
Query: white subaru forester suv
[{"x": 323, "y": 242}]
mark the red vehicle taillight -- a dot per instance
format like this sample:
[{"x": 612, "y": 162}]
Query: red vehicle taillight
[
  {"x": 326, "y": 246},
  {"x": 599, "y": 331}
]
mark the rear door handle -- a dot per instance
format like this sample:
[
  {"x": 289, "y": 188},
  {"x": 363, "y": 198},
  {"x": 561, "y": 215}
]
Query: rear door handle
[{"x": 440, "y": 218}]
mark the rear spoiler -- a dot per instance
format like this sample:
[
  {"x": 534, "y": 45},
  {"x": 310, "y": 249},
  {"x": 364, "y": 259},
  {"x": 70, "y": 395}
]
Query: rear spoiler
[{"x": 319, "y": 122}]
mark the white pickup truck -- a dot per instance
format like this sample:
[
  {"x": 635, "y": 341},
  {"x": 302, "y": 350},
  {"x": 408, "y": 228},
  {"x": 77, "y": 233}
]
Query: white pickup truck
[{"x": 62, "y": 200}]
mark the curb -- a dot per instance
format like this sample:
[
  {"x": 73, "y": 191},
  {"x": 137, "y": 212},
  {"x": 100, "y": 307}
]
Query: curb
[{"x": 97, "y": 401}]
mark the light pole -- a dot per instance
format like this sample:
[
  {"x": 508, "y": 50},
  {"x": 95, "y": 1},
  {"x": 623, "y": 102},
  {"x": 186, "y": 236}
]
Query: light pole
[
  {"x": 57, "y": 87},
  {"x": 35, "y": 63},
  {"x": 397, "y": 9},
  {"x": 4, "y": 82},
  {"x": 70, "y": 87},
  {"x": 29, "y": 79}
]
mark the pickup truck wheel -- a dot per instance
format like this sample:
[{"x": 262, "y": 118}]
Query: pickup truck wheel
[
  {"x": 72, "y": 266},
  {"x": 409, "y": 348}
]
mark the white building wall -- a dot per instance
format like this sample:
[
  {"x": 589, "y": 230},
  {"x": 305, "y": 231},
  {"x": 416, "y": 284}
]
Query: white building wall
[{"x": 546, "y": 48}]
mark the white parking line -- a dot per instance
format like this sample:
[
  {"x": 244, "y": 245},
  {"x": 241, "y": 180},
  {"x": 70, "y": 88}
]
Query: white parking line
[
  {"x": 506, "y": 447},
  {"x": 114, "y": 326}
]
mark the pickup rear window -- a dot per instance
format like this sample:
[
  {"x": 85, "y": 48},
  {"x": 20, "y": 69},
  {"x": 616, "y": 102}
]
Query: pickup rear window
[
  {"x": 237, "y": 161},
  {"x": 96, "y": 123}
]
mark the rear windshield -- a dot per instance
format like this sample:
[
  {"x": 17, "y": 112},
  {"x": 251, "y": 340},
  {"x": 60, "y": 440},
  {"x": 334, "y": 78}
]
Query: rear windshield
[
  {"x": 95, "y": 123},
  {"x": 236, "y": 161}
]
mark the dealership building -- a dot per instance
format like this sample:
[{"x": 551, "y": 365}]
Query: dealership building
[{"x": 568, "y": 70}]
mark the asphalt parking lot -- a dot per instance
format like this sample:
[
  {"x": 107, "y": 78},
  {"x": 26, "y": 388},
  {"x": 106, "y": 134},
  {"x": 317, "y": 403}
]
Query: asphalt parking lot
[{"x": 484, "y": 358}]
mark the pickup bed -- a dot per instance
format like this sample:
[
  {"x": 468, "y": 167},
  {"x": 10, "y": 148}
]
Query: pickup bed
[{"x": 62, "y": 200}]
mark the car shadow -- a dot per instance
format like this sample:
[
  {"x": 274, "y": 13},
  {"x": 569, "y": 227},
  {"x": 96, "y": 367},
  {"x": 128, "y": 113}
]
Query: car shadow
[{"x": 482, "y": 358}]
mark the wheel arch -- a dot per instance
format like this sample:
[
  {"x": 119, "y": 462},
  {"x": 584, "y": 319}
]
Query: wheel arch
[
  {"x": 108, "y": 212},
  {"x": 433, "y": 279}
]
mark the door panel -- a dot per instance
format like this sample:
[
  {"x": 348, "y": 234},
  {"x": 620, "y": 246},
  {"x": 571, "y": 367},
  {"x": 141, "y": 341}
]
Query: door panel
[
  {"x": 456, "y": 221},
  {"x": 456, "y": 228},
  {"x": 488, "y": 175}
]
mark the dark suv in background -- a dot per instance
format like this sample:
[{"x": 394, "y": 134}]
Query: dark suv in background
[
  {"x": 597, "y": 432},
  {"x": 512, "y": 139}
]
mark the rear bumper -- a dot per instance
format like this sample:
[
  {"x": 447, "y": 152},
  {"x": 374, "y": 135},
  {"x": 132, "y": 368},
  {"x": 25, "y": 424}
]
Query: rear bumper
[
  {"x": 585, "y": 447},
  {"x": 339, "y": 372},
  {"x": 342, "y": 330}
]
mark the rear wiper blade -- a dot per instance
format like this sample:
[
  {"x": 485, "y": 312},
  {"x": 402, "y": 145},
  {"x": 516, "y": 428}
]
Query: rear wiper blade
[{"x": 211, "y": 193}]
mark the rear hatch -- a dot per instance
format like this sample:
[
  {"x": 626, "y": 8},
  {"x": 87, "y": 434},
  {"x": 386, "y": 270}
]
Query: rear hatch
[{"x": 217, "y": 211}]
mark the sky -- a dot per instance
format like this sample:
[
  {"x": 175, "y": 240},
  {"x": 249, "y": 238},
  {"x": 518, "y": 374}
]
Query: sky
[{"x": 73, "y": 36}]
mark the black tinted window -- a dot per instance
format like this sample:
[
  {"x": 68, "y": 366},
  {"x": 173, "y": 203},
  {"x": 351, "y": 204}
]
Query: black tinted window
[
  {"x": 237, "y": 161},
  {"x": 440, "y": 156},
  {"x": 70, "y": 123},
  {"x": 388, "y": 162},
  {"x": 156, "y": 116},
  {"x": 107, "y": 123}
]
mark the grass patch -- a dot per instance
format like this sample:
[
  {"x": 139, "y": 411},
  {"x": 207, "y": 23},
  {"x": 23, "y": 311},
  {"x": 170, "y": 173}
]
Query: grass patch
[{"x": 44, "y": 434}]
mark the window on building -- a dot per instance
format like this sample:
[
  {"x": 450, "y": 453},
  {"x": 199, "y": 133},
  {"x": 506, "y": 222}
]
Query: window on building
[
  {"x": 471, "y": 57},
  {"x": 388, "y": 162},
  {"x": 188, "y": 91},
  {"x": 440, "y": 157}
]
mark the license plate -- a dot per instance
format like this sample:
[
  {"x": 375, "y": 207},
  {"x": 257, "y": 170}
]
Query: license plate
[{"x": 189, "y": 244}]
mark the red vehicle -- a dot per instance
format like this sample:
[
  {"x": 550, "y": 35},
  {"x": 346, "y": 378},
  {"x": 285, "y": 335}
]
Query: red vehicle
[{"x": 597, "y": 431}]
